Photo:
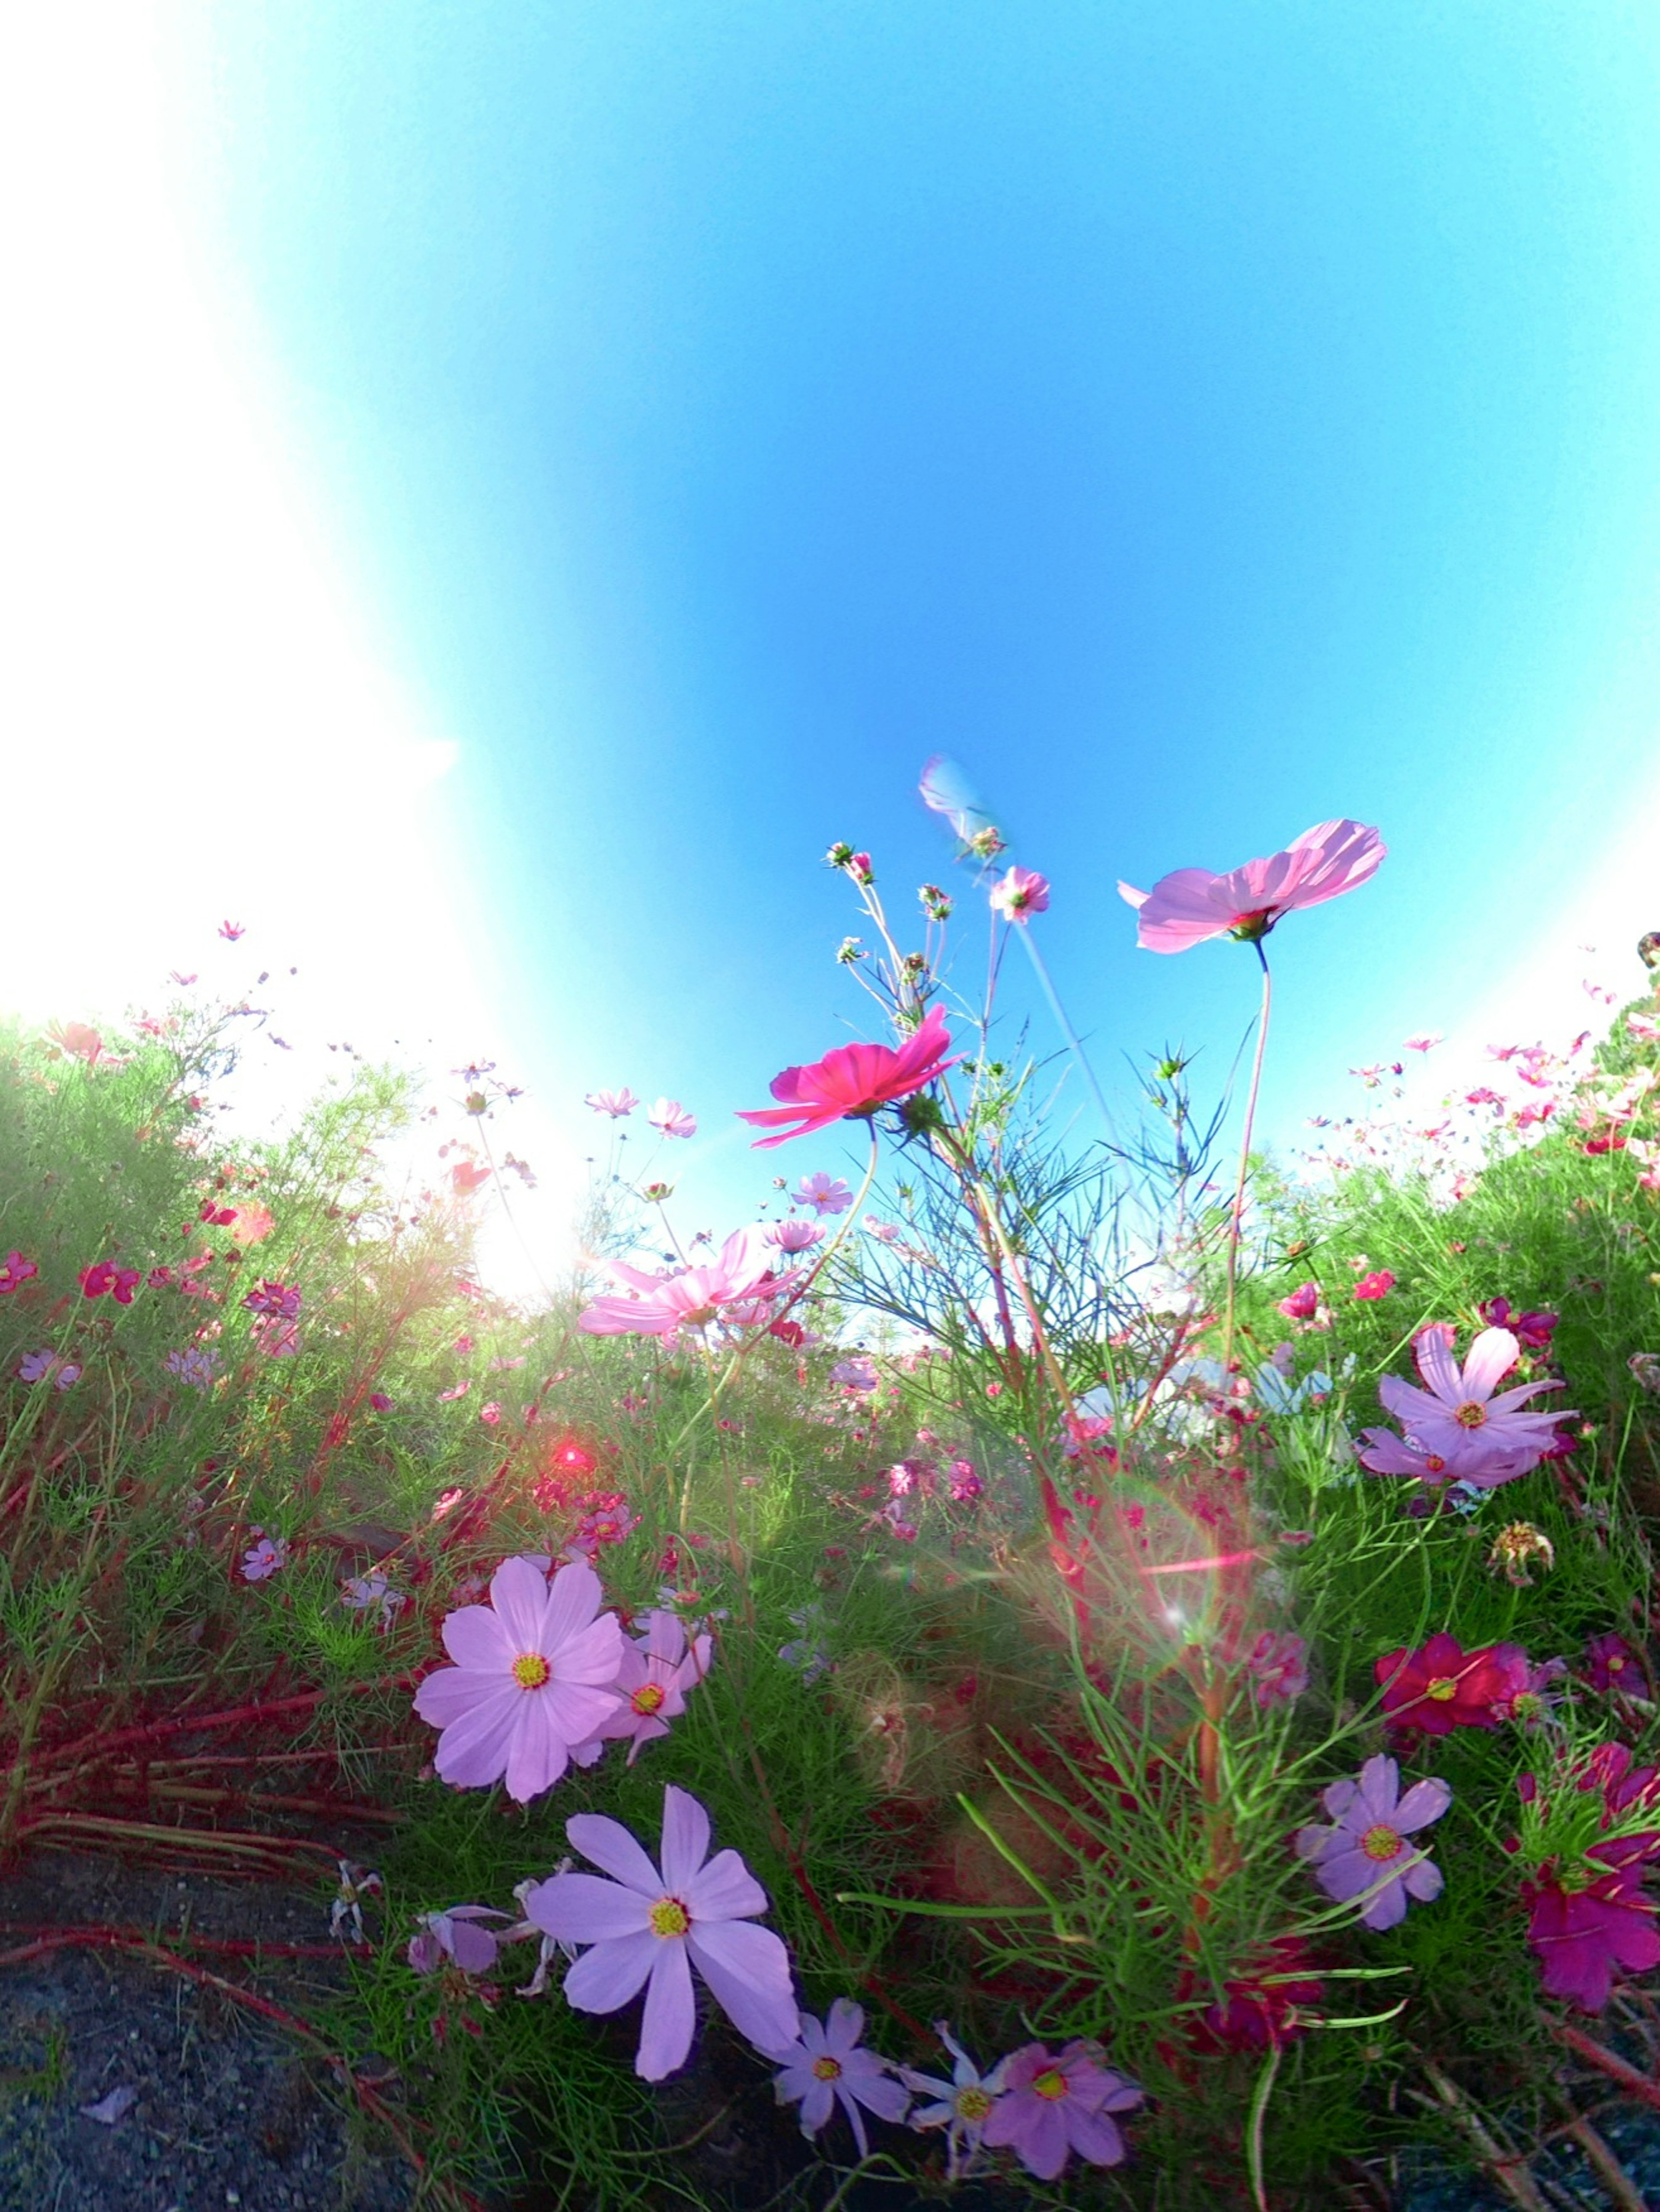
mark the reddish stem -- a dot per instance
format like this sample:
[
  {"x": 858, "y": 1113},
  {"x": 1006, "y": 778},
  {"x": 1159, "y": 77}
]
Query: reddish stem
[{"x": 1640, "y": 2085}]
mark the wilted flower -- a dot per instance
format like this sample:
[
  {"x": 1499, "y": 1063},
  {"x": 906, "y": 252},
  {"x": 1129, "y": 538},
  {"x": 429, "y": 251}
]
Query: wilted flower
[
  {"x": 459, "y": 1935},
  {"x": 1365, "y": 1852},
  {"x": 652, "y": 1925},
  {"x": 962, "y": 2106},
  {"x": 196, "y": 1365},
  {"x": 1515, "y": 1547},
  {"x": 1189, "y": 905},
  {"x": 824, "y": 2067}
]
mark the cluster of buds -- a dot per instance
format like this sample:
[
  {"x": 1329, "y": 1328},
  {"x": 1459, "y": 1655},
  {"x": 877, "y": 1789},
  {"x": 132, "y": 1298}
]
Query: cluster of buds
[{"x": 856, "y": 865}]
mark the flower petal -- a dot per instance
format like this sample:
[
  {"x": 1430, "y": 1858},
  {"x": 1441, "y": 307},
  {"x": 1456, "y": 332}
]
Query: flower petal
[
  {"x": 1491, "y": 1357},
  {"x": 604, "y": 1978},
  {"x": 684, "y": 1839},
  {"x": 518, "y": 1591},
  {"x": 671, "y": 2013},
  {"x": 474, "y": 1750},
  {"x": 747, "y": 1970},
  {"x": 610, "y": 1844},
  {"x": 725, "y": 1890},
  {"x": 584, "y": 1908},
  {"x": 572, "y": 1603},
  {"x": 1425, "y": 1802},
  {"x": 477, "y": 1638}
]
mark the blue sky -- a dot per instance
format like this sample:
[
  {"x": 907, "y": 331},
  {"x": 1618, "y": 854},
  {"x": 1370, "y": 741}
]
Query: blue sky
[{"x": 1201, "y": 419}]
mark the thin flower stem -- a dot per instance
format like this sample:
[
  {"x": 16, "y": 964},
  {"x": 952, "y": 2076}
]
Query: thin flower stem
[
  {"x": 1259, "y": 2097},
  {"x": 1236, "y": 1224},
  {"x": 1073, "y": 1041}
]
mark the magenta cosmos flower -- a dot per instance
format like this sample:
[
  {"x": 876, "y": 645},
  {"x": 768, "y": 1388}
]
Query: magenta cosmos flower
[
  {"x": 647, "y": 1927},
  {"x": 1367, "y": 1850},
  {"x": 653, "y": 1676},
  {"x": 664, "y": 1305},
  {"x": 533, "y": 1675},
  {"x": 1190, "y": 904},
  {"x": 852, "y": 1082},
  {"x": 1471, "y": 1461},
  {"x": 1020, "y": 893},
  {"x": 824, "y": 2067},
  {"x": 1051, "y": 2106},
  {"x": 1459, "y": 1406}
]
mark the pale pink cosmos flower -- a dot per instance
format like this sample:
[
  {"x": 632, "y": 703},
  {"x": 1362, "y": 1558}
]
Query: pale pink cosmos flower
[
  {"x": 961, "y": 2105},
  {"x": 617, "y": 1103},
  {"x": 1020, "y": 893},
  {"x": 264, "y": 1559},
  {"x": 649, "y": 1925},
  {"x": 728, "y": 1286},
  {"x": 656, "y": 1672},
  {"x": 1191, "y": 904},
  {"x": 669, "y": 1116},
  {"x": 825, "y": 1193},
  {"x": 824, "y": 2067},
  {"x": 792, "y": 1236},
  {"x": 1426, "y": 1043},
  {"x": 533, "y": 1675},
  {"x": 1459, "y": 1403}
]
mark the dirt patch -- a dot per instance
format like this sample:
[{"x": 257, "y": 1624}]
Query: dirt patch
[{"x": 225, "y": 2109}]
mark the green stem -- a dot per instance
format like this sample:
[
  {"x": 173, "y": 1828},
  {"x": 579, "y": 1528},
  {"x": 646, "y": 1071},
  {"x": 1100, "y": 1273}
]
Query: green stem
[{"x": 1236, "y": 1224}]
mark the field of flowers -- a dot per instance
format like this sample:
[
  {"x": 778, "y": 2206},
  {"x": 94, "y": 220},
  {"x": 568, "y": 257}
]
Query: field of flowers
[{"x": 1039, "y": 1672}]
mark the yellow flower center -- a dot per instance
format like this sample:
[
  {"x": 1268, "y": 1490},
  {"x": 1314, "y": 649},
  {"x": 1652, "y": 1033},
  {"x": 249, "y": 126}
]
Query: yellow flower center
[
  {"x": 669, "y": 1916},
  {"x": 1380, "y": 1842},
  {"x": 1442, "y": 1687},
  {"x": 1051, "y": 2084},
  {"x": 1470, "y": 1415},
  {"x": 647, "y": 1698},
  {"x": 827, "y": 2069},
  {"x": 531, "y": 1671},
  {"x": 973, "y": 2104},
  {"x": 1615, "y": 1662}
]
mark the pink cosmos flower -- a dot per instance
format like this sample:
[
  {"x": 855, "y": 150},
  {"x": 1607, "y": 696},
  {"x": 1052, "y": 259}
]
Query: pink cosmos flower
[
  {"x": 532, "y": 1676},
  {"x": 824, "y": 2067},
  {"x": 853, "y": 1081},
  {"x": 230, "y": 931},
  {"x": 1053, "y": 2105},
  {"x": 120, "y": 1283},
  {"x": 1459, "y": 1402},
  {"x": 856, "y": 1373},
  {"x": 1365, "y": 1851},
  {"x": 669, "y": 1116},
  {"x": 656, "y": 1672},
  {"x": 825, "y": 1193},
  {"x": 1426, "y": 1043},
  {"x": 649, "y": 1925},
  {"x": 1190, "y": 904},
  {"x": 1020, "y": 893},
  {"x": 1532, "y": 1330},
  {"x": 1278, "y": 1664},
  {"x": 730, "y": 1285},
  {"x": 1581, "y": 1935},
  {"x": 792, "y": 1236},
  {"x": 1441, "y": 1687},
  {"x": 1376, "y": 1286},
  {"x": 1303, "y": 1304},
  {"x": 1471, "y": 1460},
  {"x": 962, "y": 2106},
  {"x": 15, "y": 1272},
  {"x": 265, "y": 1559},
  {"x": 1611, "y": 1664}
]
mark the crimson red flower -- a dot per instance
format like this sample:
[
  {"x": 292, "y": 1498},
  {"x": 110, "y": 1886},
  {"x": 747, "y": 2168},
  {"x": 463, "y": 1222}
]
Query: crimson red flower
[
  {"x": 1376, "y": 1286},
  {"x": 852, "y": 1082},
  {"x": 1441, "y": 1687},
  {"x": 104, "y": 1276}
]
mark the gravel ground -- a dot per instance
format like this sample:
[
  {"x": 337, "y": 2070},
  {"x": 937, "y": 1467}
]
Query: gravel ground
[{"x": 227, "y": 2111}]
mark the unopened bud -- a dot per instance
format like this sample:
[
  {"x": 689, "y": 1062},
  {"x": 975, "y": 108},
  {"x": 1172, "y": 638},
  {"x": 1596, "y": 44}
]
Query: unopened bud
[{"x": 849, "y": 950}]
